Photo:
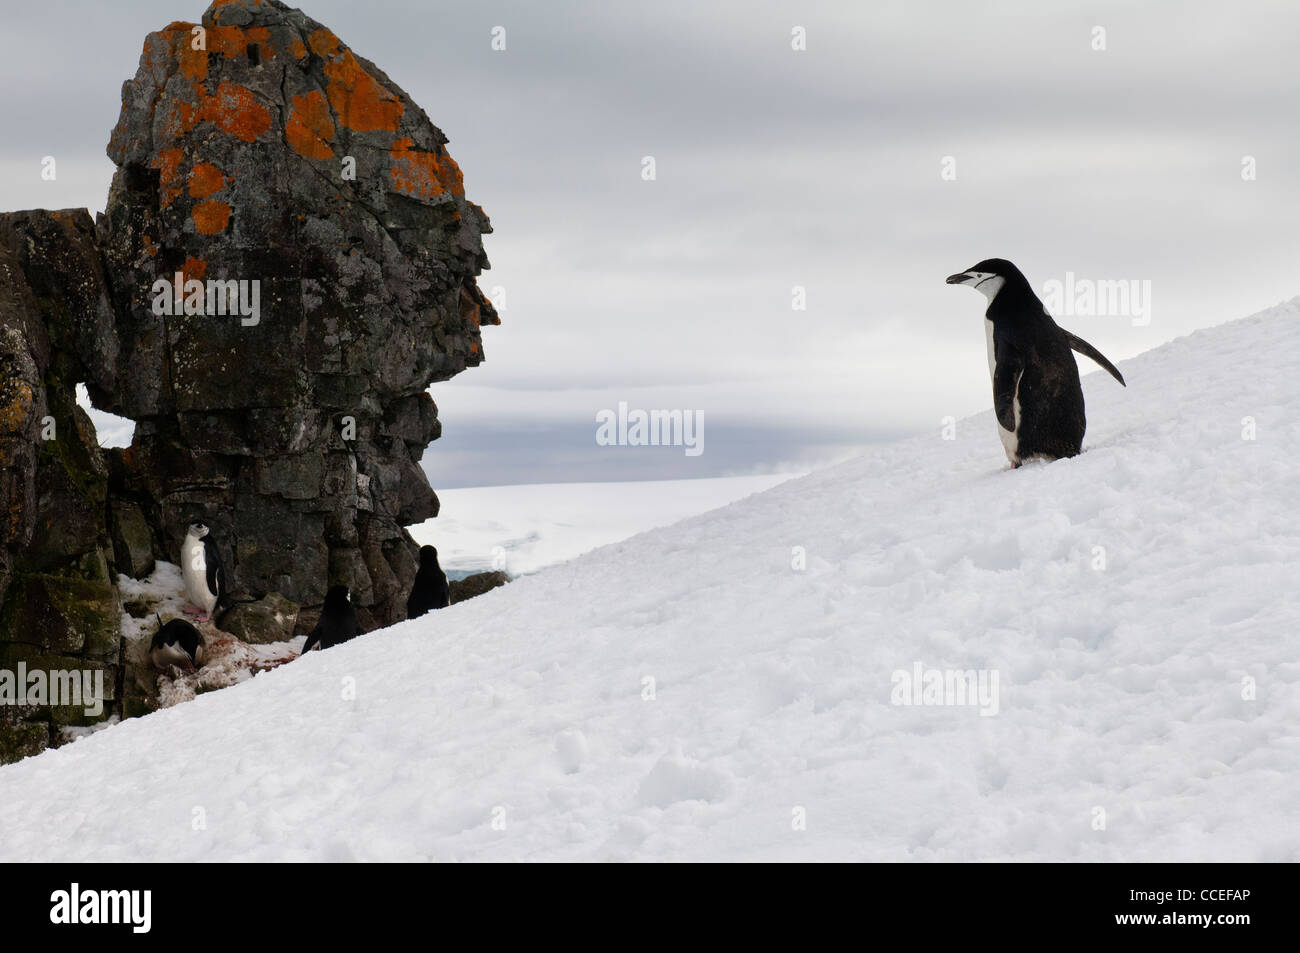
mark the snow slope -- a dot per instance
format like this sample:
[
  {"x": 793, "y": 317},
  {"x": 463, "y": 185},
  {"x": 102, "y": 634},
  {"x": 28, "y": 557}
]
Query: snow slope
[
  {"x": 522, "y": 529},
  {"x": 517, "y": 725}
]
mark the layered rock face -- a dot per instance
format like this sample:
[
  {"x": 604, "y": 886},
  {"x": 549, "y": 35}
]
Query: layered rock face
[
  {"x": 59, "y": 608},
  {"x": 255, "y": 146},
  {"x": 321, "y": 260}
]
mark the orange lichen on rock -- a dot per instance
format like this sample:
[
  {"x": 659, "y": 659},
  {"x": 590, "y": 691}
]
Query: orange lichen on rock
[
  {"x": 360, "y": 102},
  {"x": 150, "y": 248},
  {"x": 423, "y": 174},
  {"x": 14, "y": 412},
  {"x": 168, "y": 164},
  {"x": 323, "y": 43},
  {"x": 205, "y": 179},
  {"x": 310, "y": 127},
  {"x": 229, "y": 41},
  {"x": 235, "y": 110},
  {"x": 194, "y": 268},
  {"x": 210, "y": 217},
  {"x": 194, "y": 62},
  {"x": 234, "y": 41}
]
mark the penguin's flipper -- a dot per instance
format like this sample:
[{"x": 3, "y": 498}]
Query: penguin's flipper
[
  {"x": 1087, "y": 350},
  {"x": 311, "y": 640},
  {"x": 1005, "y": 379},
  {"x": 215, "y": 577}
]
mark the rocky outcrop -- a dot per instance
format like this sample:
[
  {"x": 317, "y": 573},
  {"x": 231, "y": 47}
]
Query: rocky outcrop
[
  {"x": 59, "y": 609},
  {"x": 275, "y": 154},
  {"x": 327, "y": 258},
  {"x": 475, "y": 585},
  {"x": 273, "y": 618}
]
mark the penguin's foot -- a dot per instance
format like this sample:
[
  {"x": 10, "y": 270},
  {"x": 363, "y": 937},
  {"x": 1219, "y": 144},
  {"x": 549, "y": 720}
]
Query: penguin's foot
[
  {"x": 202, "y": 617},
  {"x": 191, "y": 610}
]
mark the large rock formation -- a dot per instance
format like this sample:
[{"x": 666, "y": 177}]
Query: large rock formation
[
  {"x": 273, "y": 153},
  {"x": 253, "y": 147}
]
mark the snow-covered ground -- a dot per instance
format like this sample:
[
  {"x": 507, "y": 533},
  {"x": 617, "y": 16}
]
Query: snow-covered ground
[
  {"x": 521, "y": 529},
  {"x": 688, "y": 694}
]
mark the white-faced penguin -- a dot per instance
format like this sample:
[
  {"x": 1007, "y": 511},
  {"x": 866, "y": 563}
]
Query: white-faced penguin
[
  {"x": 430, "y": 590},
  {"x": 205, "y": 582},
  {"x": 1036, "y": 392},
  {"x": 177, "y": 644},
  {"x": 338, "y": 621}
]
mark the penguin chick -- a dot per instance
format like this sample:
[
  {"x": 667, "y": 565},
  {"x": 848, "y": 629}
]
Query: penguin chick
[
  {"x": 430, "y": 589},
  {"x": 338, "y": 621}
]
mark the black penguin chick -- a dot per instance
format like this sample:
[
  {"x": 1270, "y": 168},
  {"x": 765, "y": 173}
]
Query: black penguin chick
[
  {"x": 338, "y": 621},
  {"x": 430, "y": 589},
  {"x": 1036, "y": 392},
  {"x": 176, "y": 645}
]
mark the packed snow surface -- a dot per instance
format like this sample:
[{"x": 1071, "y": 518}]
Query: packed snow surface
[{"x": 690, "y": 694}]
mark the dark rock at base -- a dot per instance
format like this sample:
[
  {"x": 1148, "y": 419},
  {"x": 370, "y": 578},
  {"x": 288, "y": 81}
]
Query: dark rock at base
[
  {"x": 19, "y": 737},
  {"x": 132, "y": 539},
  {"x": 475, "y": 585},
  {"x": 65, "y": 615},
  {"x": 270, "y": 619}
]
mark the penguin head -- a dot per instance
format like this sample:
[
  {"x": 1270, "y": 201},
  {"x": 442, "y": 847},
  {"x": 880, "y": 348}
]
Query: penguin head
[
  {"x": 990, "y": 276},
  {"x": 198, "y": 530},
  {"x": 337, "y": 597},
  {"x": 428, "y": 556}
]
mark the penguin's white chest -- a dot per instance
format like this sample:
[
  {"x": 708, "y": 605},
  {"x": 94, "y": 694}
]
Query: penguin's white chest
[
  {"x": 1010, "y": 442},
  {"x": 195, "y": 572},
  {"x": 988, "y": 336}
]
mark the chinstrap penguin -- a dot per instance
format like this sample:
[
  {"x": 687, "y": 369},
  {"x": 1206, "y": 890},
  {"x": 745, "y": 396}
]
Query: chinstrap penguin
[
  {"x": 430, "y": 590},
  {"x": 338, "y": 621},
  {"x": 1036, "y": 392},
  {"x": 205, "y": 582},
  {"x": 177, "y": 644}
]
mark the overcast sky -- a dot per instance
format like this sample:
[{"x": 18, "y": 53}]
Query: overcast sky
[{"x": 775, "y": 168}]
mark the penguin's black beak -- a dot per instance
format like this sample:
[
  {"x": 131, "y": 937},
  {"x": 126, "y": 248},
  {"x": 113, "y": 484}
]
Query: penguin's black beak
[{"x": 957, "y": 279}]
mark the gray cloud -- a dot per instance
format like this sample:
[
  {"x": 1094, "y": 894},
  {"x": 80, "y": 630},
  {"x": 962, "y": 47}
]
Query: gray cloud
[{"x": 775, "y": 169}]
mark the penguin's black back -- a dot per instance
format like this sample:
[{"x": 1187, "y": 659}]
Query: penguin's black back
[
  {"x": 338, "y": 621},
  {"x": 1052, "y": 420},
  {"x": 430, "y": 589},
  {"x": 212, "y": 562},
  {"x": 180, "y": 633}
]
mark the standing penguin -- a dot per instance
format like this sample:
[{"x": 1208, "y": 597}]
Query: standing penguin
[
  {"x": 430, "y": 590},
  {"x": 176, "y": 644},
  {"x": 1036, "y": 392},
  {"x": 205, "y": 582},
  {"x": 338, "y": 621}
]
